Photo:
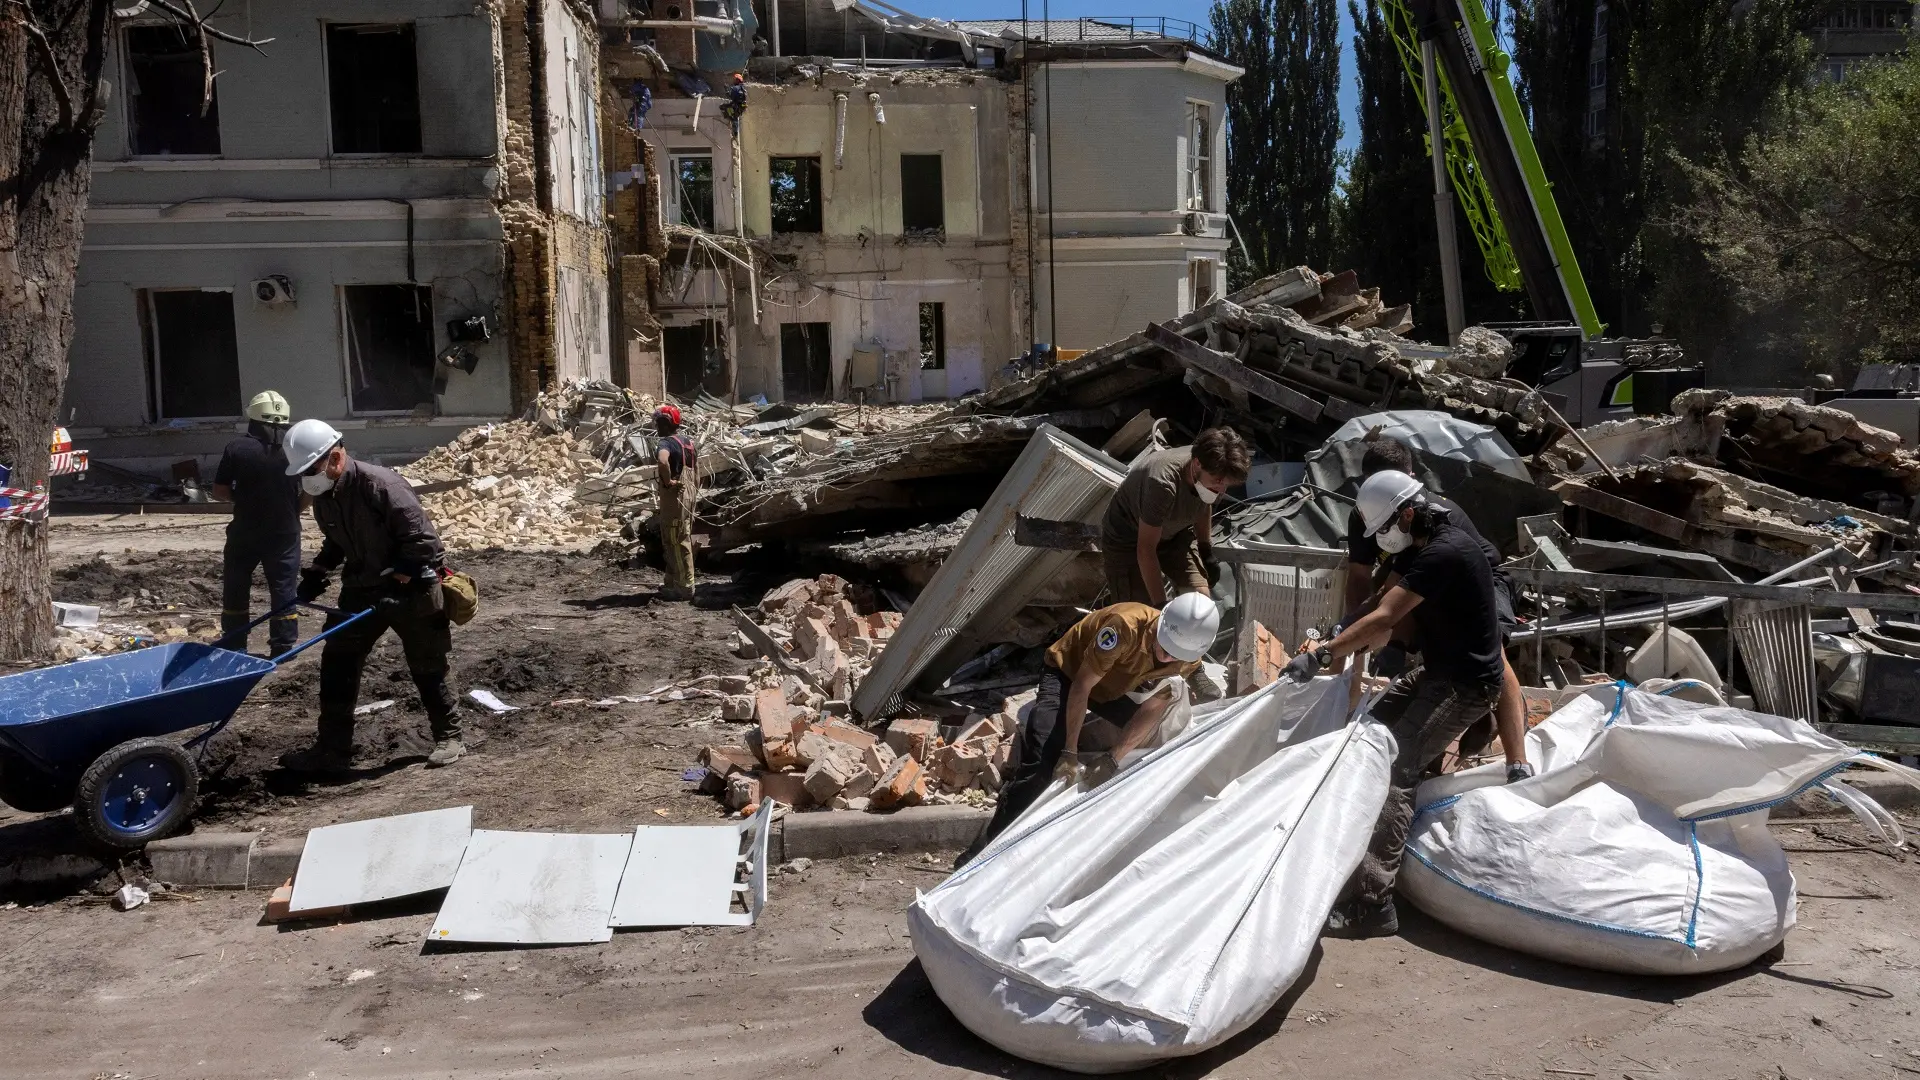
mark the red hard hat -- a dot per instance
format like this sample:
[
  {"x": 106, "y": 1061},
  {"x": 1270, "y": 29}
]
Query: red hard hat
[
  {"x": 737, "y": 77},
  {"x": 669, "y": 413}
]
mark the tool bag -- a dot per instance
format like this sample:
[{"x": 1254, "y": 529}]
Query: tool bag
[
  {"x": 1641, "y": 845},
  {"x": 461, "y": 595},
  {"x": 1162, "y": 912}
]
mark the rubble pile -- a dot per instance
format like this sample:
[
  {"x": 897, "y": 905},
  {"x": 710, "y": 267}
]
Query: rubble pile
[
  {"x": 804, "y": 751},
  {"x": 1811, "y": 448},
  {"x": 511, "y": 486},
  {"x": 127, "y": 624}
]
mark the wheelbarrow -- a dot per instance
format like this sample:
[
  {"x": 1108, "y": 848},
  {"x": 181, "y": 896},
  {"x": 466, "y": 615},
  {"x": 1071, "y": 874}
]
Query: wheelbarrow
[{"x": 94, "y": 734}]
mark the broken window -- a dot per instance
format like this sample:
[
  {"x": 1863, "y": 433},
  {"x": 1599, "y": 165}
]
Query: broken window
[
  {"x": 923, "y": 205},
  {"x": 794, "y": 194},
  {"x": 1200, "y": 278},
  {"x": 373, "y": 88},
  {"x": 806, "y": 364},
  {"x": 933, "y": 337},
  {"x": 693, "y": 356},
  {"x": 389, "y": 335},
  {"x": 692, "y": 194},
  {"x": 1199, "y": 156},
  {"x": 195, "y": 361},
  {"x": 167, "y": 81}
]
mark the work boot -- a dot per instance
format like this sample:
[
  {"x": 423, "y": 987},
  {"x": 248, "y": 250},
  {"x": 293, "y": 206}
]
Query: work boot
[
  {"x": 1359, "y": 919},
  {"x": 446, "y": 752},
  {"x": 318, "y": 760},
  {"x": 675, "y": 593}
]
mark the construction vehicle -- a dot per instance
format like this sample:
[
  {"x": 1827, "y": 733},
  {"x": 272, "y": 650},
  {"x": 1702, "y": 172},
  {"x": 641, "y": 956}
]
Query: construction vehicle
[{"x": 1487, "y": 156}]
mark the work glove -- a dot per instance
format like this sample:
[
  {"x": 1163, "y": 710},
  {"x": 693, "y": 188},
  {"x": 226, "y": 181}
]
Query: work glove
[
  {"x": 1305, "y": 666},
  {"x": 1068, "y": 769},
  {"x": 313, "y": 582},
  {"x": 1518, "y": 771},
  {"x": 1097, "y": 769},
  {"x": 387, "y": 605}
]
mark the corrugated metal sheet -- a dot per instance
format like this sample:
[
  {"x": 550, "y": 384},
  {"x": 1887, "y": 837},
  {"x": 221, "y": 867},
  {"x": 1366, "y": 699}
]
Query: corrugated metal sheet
[
  {"x": 988, "y": 577},
  {"x": 1289, "y": 599},
  {"x": 1776, "y": 645}
]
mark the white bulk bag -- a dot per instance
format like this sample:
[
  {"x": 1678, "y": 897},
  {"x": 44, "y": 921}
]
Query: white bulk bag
[
  {"x": 1640, "y": 846},
  {"x": 1164, "y": 911}
]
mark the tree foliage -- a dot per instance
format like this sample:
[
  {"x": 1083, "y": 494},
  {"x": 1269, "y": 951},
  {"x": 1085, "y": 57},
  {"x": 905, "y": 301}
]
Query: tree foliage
[
  {"x": 1816, "y": 230},
  {"x": 1283, "y": 123}
]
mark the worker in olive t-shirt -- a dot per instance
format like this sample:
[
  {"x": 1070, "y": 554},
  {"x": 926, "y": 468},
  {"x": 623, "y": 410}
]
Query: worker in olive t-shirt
[{"x": 1159, "y": 526}]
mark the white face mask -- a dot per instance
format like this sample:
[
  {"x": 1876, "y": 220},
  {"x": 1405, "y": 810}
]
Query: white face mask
[
  {"x": 1207, "y": 494},
  {"x": 1394, "y": 540},
  {"x": 317, "y": 484}
]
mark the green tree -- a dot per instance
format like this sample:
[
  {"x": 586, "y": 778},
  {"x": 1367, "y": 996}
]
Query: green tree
[
  {"x": 1815, "y": 233},
  {"x": 1283, "y": 122}
]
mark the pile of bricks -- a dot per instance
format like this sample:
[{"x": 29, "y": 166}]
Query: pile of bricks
[
  {"x": 832, "y": 629},
  {"x": 511, "y": 486},
  {"x": 810, "y": 760}
]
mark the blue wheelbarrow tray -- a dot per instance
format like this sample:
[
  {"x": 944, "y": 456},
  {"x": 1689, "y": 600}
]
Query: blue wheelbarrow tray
[{"x": 61, "y": 718}]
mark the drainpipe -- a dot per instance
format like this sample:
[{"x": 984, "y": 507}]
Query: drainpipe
[{"x": 839, "y": 128}]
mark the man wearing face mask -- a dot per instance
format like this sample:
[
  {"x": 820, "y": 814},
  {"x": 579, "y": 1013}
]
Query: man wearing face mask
[
  {"x": 265, "y": 530},
  {"x": 1159, "y": 526},
  {"x": 1447, "y": 589},
  {"x": 1372, "y": 570},
  {"x": 391, "y": 561}
]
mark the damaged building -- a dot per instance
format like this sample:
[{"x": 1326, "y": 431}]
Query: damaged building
[
  {"x": 392, "y": 214},
  {"x": 890, "y": 216}
]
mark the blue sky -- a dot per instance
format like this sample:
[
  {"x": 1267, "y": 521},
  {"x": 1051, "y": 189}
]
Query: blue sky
[{"x": 1194, "y": 11}]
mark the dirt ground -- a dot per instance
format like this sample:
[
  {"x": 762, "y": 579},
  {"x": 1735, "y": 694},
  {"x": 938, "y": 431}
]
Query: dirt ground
[
  {"x": 550, "y": 628},
  {"x": 826, "y": 984}
]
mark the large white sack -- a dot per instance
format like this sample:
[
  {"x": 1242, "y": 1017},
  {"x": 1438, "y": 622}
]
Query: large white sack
[
  {"x": 1164, "y": 911},
  {"x": 1640, "y": 846}
]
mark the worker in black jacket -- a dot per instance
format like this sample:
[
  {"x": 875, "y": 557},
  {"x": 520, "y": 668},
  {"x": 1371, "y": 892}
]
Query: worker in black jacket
[
  {"x": 391, "y": 561},
  {"x": 265, "y": 530}
]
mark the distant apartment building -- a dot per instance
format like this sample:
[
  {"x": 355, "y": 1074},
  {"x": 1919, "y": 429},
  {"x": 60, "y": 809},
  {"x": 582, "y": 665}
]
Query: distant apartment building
[
  {"x": 391, "y": 213},
  {"x": 896, "y": 215}
]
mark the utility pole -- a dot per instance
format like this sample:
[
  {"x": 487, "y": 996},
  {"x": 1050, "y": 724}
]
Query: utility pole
[{"x": 1442, "y": 197}]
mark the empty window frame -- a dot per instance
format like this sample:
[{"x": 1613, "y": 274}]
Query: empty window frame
[
  {"x": 1201, "y": 274},
  {"x": 1199, "y": 156},
  {"x": 806, "y": 362},
  {"x": 373, "y": 88},
  {"x": 933, "y": 337},
  {"x": 923, "y": 200},
  {"x": 167, "y": 86},
  {"x": 694, "y": 356},
  {"x": 388, "y": 330},
  {"x": 691, "y": 197},
  {"x": 195, "y": 362},
  {"x": 1597, "y": 74},
  {"x": 793, "y": 192}
]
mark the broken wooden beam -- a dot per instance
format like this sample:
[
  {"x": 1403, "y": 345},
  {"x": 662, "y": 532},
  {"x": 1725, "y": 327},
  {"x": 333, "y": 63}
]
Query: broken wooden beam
[{"x": 1224, "y": 367}]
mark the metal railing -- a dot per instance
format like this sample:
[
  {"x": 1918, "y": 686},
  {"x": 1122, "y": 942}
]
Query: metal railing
[{"x": 1107, "y": 28}]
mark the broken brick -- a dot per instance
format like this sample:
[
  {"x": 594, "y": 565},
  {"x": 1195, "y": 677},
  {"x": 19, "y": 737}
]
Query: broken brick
[
  {"x": 888, "y": 621},
  {"x": 905, "y": 784},
  {"x": 830, "y": 773},
  {"x": 977, "y": 725},
  {"x": 793, "y": 592},
  {"x": 879, "y": 758},
  {"x": 743, "y": 790},
  {"x": 954, "y": 767},
  {"x": 916, "y": 736},
  {"x": 810, "y": 637},
  {"x": 776, "y": 730},
  {"x": 813, "y": 747},
  {"x": 736, "y": 707},
  {"x": 847, "y": 623},
  {"x": 842, "y": 732},
  {"x": 861, "y": 784},
  {"x": 726, "y": 760},
  {"x": 786, "y": 787}
]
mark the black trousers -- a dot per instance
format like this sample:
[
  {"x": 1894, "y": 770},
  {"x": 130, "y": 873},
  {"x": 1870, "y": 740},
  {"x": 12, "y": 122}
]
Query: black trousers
[
  {"x": 279, "y": 558},
  {"x": 425, "y": 634},
  {"x": 1043, "y": 738}
]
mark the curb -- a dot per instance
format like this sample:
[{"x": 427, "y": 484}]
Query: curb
[
  {"x": 1889, "y": 791},
  {"x": 916, "y": 828}
]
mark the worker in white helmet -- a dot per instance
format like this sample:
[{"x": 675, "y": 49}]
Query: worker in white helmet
[
  {"x": 1447, "y": 589},
  {"x": 265, "y": 530},
  {"x": 391, "y": 564},
  {"x": 1099, "y": 666}
]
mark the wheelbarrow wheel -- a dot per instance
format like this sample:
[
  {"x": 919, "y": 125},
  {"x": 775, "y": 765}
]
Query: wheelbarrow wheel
[
  {"x": 27, "y": 789},
  {"x": 140, "y": 790}
]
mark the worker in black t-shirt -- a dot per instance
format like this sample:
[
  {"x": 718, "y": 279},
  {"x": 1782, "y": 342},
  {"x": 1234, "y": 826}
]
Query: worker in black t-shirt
[
  {"x": 265, "y": 530},
  {"x": 1447, "y": 589},
  {"x": 1370, "y": 572},
  {"x": 679, "y": 477}
]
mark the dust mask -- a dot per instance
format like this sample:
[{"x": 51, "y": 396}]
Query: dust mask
[
  {"x": 1207, "y": 494},
  {"x": 1394, "y": 540},
  {"x": 318, "y": 484}
]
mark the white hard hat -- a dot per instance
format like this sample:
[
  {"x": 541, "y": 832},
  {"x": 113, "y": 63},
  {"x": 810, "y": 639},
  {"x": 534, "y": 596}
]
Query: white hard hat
[
  {"x": 1382, "y": 496},
  {"x": 1188, "y": 625},
  {"x": 269, "y": 407},
  {"x": 306, "y": 441}
]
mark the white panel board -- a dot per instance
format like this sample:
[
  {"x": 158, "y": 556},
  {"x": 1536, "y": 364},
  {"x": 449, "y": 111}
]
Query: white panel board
[
  {"x": 678, "y": 875},
  {"x": 519, "y": 888},
  {"x": 360, "y": 862}
]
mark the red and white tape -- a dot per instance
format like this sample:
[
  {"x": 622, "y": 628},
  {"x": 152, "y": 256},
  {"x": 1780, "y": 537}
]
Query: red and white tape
[{"x": 21, "y": 503}]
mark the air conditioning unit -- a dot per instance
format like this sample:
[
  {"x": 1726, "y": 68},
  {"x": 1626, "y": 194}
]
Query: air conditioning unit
[
  {"x": 1196, "y": 223},
  {"x": 273, "y": 290}
]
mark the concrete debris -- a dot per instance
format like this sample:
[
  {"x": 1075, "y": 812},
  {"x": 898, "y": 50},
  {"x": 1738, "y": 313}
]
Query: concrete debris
[{"x": 1481, "y": 353}]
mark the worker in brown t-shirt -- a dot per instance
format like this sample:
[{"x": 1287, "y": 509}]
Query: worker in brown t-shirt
[
  {"x": 1093, "y": 668},
  {"x": 1159, "y": 526}
]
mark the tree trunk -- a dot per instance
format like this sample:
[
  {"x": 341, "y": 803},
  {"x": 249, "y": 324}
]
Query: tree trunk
[{"x": 47, "y": 118}]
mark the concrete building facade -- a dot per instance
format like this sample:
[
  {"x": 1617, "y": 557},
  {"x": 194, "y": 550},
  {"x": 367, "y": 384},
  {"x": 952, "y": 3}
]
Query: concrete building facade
[{"x": 391, "y": 212}]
